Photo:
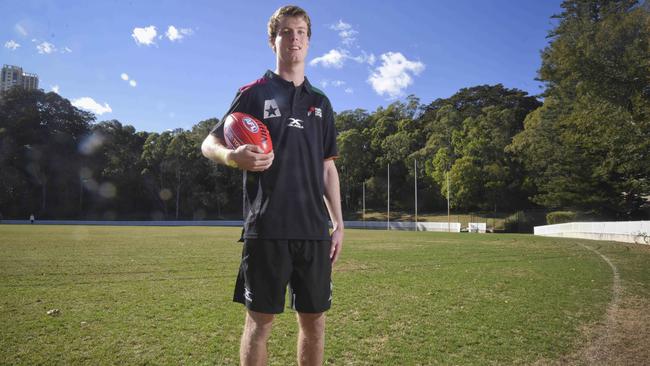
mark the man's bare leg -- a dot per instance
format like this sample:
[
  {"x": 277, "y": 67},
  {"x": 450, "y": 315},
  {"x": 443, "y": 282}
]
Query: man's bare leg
[
  {"x": 257, "y": 329},
  {"x": 311, "y": 339}
]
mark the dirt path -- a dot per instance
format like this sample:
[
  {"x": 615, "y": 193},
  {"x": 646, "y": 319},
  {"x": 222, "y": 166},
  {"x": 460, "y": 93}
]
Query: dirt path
[{"x": 622, "y": 338}]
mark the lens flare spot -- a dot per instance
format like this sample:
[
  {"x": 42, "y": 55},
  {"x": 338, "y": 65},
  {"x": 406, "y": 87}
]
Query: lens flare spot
[
  {"x": 200, "y": 214},
  {"x": 80, "y": 232},
  {"x": 107, "y": 190},
  {"x": 85, "y": 173},
  {"x": 165, "y": 194},
  {"x": 91, "y": 184},
  {"x": 91, "y": 143},
  {"x": 110, "y": 215}
]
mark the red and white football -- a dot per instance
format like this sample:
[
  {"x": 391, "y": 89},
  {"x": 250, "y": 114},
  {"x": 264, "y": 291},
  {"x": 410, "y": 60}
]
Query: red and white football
[{"x": 242, "y": 129}]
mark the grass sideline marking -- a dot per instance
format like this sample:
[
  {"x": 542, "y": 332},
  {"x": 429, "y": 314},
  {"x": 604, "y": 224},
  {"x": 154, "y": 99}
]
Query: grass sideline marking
[{"x": 595, "y": 352}]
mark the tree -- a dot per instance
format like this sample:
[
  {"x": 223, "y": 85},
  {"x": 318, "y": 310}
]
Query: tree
[
  {"x": 113, "y": 159},
  {"x": 395, "y": 137},
  {"x": 182, "y": 157},
  {"x": 467, "y": 139},
  {"x": 40, "y": 134},
  {"x": 357, "y": 119},
  {"x": 215, "y": 188},
  {"x": 156, "y": 169},
  {"x": 355, "y": 165},
  {"x": 593, "y": 130}
]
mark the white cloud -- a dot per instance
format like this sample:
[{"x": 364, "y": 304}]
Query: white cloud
[
  {"x": 340, "y": 26},
  {"x": 144, "y": 36},
  {"x": 175, "y": 34},
  {"x": 20, "y": 29},
  {"x": 89, "y": 104},
  {"x": 393, "y": 76},
  {"x": 12, "y": 45},
  {"x": 55, "y": 88},
  {"x": 349, "y": 90},
  {"x": 334, "y": 83},
  {"x": 45, "y": 48},
  {"x": 364, "y": 58},
  {"x": 346, "y": 32},
  {"x": 187, "y": 31},
  {"x": 334, "y": 58},
  {"x": 124, "y": 76}
]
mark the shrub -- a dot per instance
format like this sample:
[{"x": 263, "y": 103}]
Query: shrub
[
  {"x": 523, "y": 221},
  {"x": 559, "y": 217}
]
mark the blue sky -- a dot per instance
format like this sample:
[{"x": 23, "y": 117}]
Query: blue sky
[{"x": 364, "y": 54}]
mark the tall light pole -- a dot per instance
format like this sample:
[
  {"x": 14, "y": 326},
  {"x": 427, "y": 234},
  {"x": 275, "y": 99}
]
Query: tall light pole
[
  {"x": 388, "y": 206},
  {"x": 82, "y": 183},
  {"x": 415, "y": 162},
  {"x": 448, "y": 189},
  {"x": 81, "y": 196},
  {"x": 363, "y": 214},
  {"x": 448, "y": 211}
]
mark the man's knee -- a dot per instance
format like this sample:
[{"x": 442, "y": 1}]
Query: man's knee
[
  {"x": 312, "y": 324},
  {"x": 259, "y": 324}
]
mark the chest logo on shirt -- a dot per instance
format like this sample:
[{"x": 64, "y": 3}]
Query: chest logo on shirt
[
  {"x": 295, "y": 122},
  {"x": 316, "y": 111},
  {"x": 271, "y": 109}
]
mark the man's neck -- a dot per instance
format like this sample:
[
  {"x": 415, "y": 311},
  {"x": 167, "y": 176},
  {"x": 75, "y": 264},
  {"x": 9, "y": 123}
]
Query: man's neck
[{"x": 294, "y": 73}]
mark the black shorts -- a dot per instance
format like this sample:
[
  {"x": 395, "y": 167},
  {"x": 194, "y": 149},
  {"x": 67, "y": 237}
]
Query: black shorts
[{"x": 267, "y": 266}]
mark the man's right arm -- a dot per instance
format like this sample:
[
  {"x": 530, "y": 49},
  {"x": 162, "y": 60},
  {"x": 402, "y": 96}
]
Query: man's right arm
[
  {"x": 214, "y": 149},
  {"x": 246, "y": 157}
]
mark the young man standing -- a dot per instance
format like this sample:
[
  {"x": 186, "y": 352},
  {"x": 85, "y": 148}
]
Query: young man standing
[{"x": 286, "y": 235}]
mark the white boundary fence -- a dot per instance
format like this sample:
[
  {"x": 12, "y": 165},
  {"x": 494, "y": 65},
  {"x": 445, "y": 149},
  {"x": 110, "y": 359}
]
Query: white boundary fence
[
  {"x": 624, "y": 231},
  {"x": 477, "y": 227},
  {"x": 453, "y": 227}
]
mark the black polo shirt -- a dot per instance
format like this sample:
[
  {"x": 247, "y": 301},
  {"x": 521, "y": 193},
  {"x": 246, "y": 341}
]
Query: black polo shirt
[{"x": 286, "y": 201}]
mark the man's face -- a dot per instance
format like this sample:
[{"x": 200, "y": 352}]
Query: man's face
[{"x": 292, "y": 42}]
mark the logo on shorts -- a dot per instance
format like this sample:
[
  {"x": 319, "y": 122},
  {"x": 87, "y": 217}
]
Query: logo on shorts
[
  {"x": 331, "y": 287},
  {"x": 248, "y": 295}
]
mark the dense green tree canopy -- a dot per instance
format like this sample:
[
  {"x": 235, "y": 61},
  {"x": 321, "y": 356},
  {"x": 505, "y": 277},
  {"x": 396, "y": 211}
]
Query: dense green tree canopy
[{"x": 588, "y": 147}]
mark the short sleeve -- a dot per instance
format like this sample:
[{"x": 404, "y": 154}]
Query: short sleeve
[{"x": 330, "y": 150}]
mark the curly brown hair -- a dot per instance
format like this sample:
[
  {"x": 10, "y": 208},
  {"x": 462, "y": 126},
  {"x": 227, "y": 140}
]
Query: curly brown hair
[{"x": 290, "y": 11}]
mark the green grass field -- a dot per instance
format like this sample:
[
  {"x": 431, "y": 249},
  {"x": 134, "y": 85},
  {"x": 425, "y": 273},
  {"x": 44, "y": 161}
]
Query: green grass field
[{"x": 162, "y": 295}]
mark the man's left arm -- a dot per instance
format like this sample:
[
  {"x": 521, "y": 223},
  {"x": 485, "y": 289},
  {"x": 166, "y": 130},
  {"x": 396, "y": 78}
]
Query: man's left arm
[{"x": 333, "y": 203}]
